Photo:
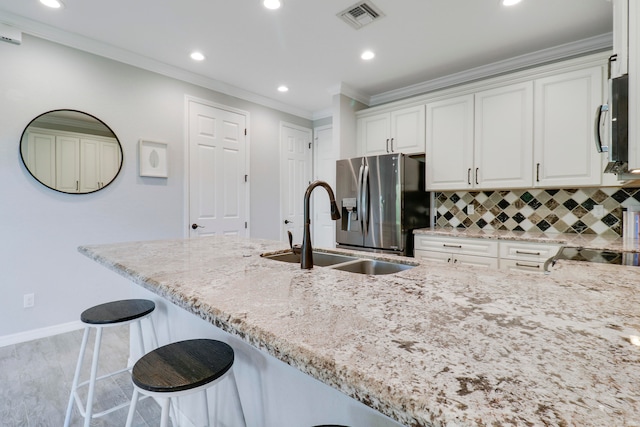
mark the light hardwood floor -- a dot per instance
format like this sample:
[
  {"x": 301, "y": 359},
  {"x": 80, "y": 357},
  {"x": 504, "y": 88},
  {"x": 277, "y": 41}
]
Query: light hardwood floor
[{"x": 36, "y": 376}]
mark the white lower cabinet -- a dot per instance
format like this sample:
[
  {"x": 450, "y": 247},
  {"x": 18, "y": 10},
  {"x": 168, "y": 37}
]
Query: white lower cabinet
[
  {"x": 458, "y": 259},
  {"x": 490, "y": 253},
  {"x": 477, "y": 252},
  {"x": 526, "y": 256}
]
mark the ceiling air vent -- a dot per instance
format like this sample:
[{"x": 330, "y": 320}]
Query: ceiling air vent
[{"x": 361, "y": 14}]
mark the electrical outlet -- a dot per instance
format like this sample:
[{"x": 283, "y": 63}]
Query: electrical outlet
[
  {"x": 598, "y": 211},
  {"x": 471, "y": 210},
  {"x": 29, "y": 300}
]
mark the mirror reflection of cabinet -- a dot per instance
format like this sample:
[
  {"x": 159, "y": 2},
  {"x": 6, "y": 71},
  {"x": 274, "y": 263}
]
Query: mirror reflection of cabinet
[{"x": 71, "y": 152}]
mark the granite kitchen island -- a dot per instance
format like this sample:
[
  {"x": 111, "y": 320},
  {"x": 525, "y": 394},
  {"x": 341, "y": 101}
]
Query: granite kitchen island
[{"x": 435, "y": 345}]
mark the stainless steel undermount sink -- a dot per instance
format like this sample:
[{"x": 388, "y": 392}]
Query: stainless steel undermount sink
[
  {"x": 341, "y": 262},
  {"x": 372, "y": 266},
  {"x": 321, "y": 259}
]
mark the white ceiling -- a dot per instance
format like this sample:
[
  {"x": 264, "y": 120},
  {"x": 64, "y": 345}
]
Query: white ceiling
[{"x": 251, "y": 50}]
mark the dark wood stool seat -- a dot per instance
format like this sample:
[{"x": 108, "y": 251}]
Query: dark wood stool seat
[
  {"x": 117, "y": 311},
  {"x": 99, "y": 317},
  {"x": 182, "y": 365},
  {"x": 182, "y": 368}
]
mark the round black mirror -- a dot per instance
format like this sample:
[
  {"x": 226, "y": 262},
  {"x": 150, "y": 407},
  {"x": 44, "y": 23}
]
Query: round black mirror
[{"x": 71, "y": 151}]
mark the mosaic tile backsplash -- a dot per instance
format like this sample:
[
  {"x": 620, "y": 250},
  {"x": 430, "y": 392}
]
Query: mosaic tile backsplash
[{"x": 552, "y": 211}]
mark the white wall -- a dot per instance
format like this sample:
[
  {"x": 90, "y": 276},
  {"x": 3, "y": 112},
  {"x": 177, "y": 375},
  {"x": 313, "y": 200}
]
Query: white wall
[
  {"x": 345, "y": 124},
  {"x": 40, "y": 229}
]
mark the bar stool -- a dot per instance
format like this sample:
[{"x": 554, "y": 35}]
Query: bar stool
[
  {"x": 115, "y": 313},
  {"x": 183, "y": 368}
]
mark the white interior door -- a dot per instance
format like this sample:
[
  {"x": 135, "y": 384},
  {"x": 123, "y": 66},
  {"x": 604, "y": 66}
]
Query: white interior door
[
  {"x": 217, "y": 169},
  {"x": 295, "y": 176},
  {"x": 325, "y": 155}
]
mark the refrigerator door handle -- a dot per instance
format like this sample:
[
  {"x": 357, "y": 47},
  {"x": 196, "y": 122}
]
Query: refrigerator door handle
[
  {"x": 365, "y": 200},
  {"x": 359, "y": 201}
]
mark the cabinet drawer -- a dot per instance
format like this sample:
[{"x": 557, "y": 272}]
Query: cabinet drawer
[
  {"x": 526, "y": 251},
  {"x": 481, "y": 247},
  {"x": 432, "y": 256},
  {"x": 457, "y": 259},
  {"x": 516, "y": 265}
]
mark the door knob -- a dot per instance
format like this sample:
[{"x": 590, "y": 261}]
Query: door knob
[
  {"x": 195, "y": 226},
  {"x": 286, "y": 221}
]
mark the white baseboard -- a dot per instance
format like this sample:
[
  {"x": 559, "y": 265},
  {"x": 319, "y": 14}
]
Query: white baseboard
[{"x": 35, "y": 334}]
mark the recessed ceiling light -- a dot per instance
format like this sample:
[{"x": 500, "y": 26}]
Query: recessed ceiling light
[
  {"x": 197, "y": 56},
  {"x": 54, "y": 4},
  {"x": 272, "y": 4},
  {"x": 283, "y": 88},
  {"x": 510, "y": 2},
  {"x": 367, "y": 55}
]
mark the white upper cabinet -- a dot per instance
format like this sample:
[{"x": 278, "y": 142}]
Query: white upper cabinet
[
  {"x": 634, "y": 84},
  {"x": 564, "y": 147},
  {"x": 67, "y": 164},
  {"x": 449, "y": 143},
  {"x": 398, "y": 131},
  {"x": 620, "y": 65},
  {"x": 40, "y": 155},
  {"x": 72, "y": 162},
  {"x": 503, "y": 137},
  {"x": 481, "y": 141},
  {"x": 100, "y": 163}
]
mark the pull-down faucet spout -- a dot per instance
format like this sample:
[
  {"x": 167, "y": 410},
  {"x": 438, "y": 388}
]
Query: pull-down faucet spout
[{"x": 306, "y": 260}]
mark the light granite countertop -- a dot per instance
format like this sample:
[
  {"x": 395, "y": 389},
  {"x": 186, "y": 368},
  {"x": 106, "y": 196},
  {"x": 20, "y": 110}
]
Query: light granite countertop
[
  {"x": 589, "y": 241},
  {"x": 435, "y": 345}
]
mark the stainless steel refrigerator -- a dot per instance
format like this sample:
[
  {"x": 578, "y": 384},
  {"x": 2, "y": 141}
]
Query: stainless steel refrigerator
[{"x": 382, "y": 199}]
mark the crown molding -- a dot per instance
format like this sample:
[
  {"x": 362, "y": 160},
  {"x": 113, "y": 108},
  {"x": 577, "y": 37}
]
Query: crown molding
[
  {"x": 95, "y": 47},
  {"x": 346, "y": 90},
  {"x": 545, "y": 56}
]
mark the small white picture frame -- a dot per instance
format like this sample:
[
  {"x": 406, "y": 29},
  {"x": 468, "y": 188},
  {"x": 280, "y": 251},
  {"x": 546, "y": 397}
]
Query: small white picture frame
[{"x": 153, "y": 159}]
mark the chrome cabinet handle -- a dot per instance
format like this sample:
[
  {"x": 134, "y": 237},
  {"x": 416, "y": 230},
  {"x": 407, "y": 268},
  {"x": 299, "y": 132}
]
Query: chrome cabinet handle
[
  {"x": 469, "y": 176},
  {"x": 537, "y": 172},
  {"x": 387, "y": 145},
  {"x": 477, "y": 169},
  {"x": 392, "y": 145},
  {"x": 602, "y": 110},
  {"x": 452, "y": 246}
]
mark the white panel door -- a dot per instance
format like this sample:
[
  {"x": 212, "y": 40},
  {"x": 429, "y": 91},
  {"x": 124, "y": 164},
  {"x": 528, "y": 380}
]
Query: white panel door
[
  {"x": 449, "y": 146},
  {"x": 503, "y": 141},
  {"x": 295, "y": 176},
  {"x": 217, "y": 168},
  {"x": 325, "y": 155},
  {"x": 67, "y": 164}
]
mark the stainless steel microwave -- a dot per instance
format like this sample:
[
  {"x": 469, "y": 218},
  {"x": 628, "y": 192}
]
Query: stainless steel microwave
[{"x": 618, "y": 147}]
